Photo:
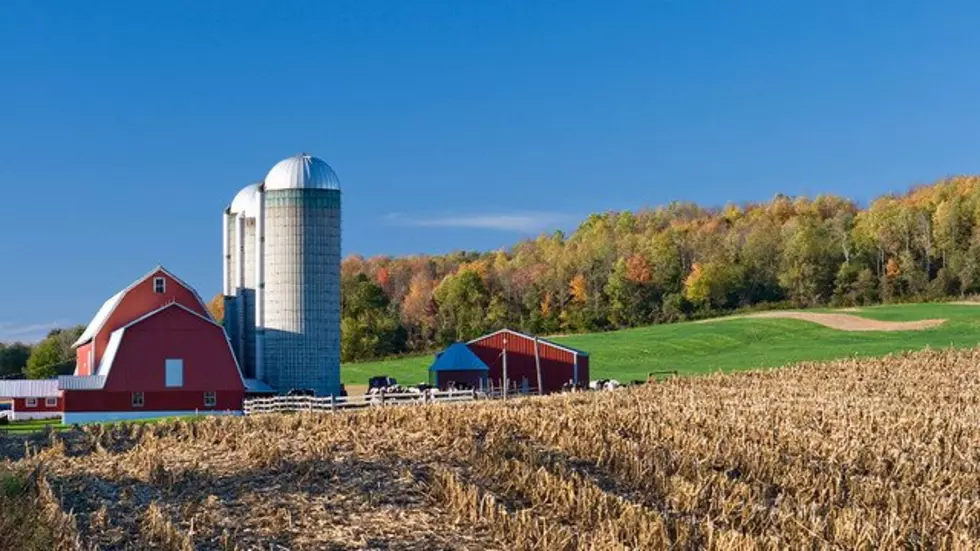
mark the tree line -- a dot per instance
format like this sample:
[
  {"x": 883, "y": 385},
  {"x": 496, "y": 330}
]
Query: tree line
[
  {"x": 48, "y": 358},
  {"x": 666, "y": 264},
  {"x": 659, "y": 265}
]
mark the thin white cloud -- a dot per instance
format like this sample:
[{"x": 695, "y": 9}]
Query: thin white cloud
[
  {"x": 32, "y": 332},
  {"x": 523, "y": 222}
]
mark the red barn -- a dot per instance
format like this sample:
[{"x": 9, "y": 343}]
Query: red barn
[
  {"x": 559, "y": 363},
  {"x": 152, "y": 350}
]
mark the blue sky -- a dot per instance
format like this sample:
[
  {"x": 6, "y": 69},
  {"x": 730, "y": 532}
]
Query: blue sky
[{"x": 126, "y": 127}]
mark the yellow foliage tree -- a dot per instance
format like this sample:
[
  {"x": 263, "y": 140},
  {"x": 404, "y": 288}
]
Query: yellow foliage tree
[
  {"x": 217, "y": 308},
  {"x": 578, "y": 289},
  {"x": 892, "y": 269},
  {"x": 695, "y": 287}
]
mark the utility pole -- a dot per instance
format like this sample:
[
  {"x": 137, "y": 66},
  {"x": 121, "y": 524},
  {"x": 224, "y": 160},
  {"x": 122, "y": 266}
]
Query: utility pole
[
  {"x": 506, "y": 382},
  {"x": 537, "y": 366}
]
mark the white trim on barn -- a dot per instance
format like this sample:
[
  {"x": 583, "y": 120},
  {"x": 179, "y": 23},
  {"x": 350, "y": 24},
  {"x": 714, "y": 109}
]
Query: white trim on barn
[{"x": 81, "y": 417}]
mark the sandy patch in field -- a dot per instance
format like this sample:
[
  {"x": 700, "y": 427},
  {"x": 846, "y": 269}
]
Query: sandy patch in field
[
  {"x": 965, "y": 303},
  {"x": 847, "y": 322}
]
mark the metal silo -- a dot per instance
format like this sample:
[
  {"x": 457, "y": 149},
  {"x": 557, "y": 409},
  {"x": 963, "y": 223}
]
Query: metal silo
[
  {"x": 240, "y": 228},
  {"x": 298, "y": 295}
]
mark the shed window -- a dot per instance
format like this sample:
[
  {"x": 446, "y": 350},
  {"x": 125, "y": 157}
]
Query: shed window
[
  {"x": 175, "y": 372},
  {"x": 50, "y": 402},
  {"x": 159, "y": 285},
  {"x": 30, "y": 402},
  {"x": 137, "y": 399},
  {"x": 210, "y": 399}
]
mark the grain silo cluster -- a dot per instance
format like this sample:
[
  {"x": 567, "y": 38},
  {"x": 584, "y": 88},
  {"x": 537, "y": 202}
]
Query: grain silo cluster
[{"x": 281, "y": 277}]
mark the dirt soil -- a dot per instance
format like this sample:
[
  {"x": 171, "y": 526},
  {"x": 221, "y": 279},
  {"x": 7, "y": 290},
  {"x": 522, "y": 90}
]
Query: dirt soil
[{"x": 847, "y": 322}]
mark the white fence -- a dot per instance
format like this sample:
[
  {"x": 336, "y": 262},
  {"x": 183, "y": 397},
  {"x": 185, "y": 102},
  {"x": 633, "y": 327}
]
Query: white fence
[{"x": 326, "y": 404}]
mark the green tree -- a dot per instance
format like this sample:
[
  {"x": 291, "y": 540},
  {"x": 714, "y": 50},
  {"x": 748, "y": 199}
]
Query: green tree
[
  {"x": 462, "y": 301},
  {"x": 631, "y": 299},
  {"x": 809, "y": 263},
  {"x": 369, "y": 325},
  {"x": 44, "y": 360},
  {"x": 13, "y": 358},
  {"x": 53, "y": 355}
]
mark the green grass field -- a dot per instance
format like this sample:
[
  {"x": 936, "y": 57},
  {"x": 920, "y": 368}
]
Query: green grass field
[
  {"x": 37, "y": 425},
  {"x": 730, "y": 345}
]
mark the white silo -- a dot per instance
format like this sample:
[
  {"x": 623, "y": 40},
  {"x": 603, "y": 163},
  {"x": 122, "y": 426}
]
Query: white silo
[
  {"x": 297, "y": 316},
  {"x": 239, "y": 275}
]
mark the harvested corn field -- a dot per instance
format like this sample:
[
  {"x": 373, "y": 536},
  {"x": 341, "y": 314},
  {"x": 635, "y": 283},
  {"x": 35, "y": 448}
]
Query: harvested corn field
[{"x": 859, "y": 454}]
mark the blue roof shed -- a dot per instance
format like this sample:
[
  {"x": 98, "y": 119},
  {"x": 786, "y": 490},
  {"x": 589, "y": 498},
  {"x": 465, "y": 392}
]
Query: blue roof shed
[{"x": 458, "y": 364}]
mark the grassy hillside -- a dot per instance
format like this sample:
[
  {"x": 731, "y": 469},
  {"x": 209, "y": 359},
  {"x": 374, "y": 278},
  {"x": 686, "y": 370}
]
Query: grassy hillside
[{"x": 731, "y": 345}]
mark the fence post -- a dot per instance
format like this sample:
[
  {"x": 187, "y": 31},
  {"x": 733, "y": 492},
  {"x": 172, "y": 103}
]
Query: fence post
[{"x": 382, "y": 398}]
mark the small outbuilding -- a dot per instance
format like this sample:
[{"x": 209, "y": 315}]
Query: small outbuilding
[
  {"x": 32, "y": 399},
  {"x": 528, "y": 356},
  {"x": 456, "y": 366}
]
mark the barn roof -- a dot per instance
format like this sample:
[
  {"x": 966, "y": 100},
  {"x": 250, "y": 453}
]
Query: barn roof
[
  {"x": 100, "y": 318},
  {"x": 81, "y": 382},
  {"x": 109, "y": 306},
  {"x": 29, "y": 388},
  {"x": 458, "y": 357},
  {"x": 545, "y": 342}
]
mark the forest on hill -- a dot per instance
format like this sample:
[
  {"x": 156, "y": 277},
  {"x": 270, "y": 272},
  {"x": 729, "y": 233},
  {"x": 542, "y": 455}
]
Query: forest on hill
[{"x": 661, "y": 265}]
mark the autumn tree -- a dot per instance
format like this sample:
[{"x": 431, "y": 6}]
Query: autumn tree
[
  {"x": 216, "y": 307},
  {"x": 622, "y": 269},
  {"x": 708, "y": 285}
]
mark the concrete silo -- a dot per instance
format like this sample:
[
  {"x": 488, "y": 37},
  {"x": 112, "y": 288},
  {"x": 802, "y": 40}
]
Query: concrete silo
[
  {"x": 239, "y": 226},
  {"x": 297, "y": 318}
]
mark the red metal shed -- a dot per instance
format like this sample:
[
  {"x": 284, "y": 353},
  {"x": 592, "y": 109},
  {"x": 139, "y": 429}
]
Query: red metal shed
[{"x": 559, "y": 363}]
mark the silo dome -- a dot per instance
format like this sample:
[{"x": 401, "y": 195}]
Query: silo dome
[
  {"x": 301, "y": 172},
  {"x": 246, "y": 201}
]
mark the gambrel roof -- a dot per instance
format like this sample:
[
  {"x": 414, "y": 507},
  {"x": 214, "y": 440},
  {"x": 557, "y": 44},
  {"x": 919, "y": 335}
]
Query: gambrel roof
[
  {"x": 109, "y": 306},
  {"x": 540, "y": 340}
]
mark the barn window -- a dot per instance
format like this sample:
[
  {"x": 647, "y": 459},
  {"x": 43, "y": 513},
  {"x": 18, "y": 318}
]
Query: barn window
[
  {"x": 137, "y": 399},
  {"x": 159, "y": 285},
  {"x": 30, "y": 402},
  {"x": 175, "y": 372},
  {"x": 210, "y": 399},
  {"x": 50, "y": 402}
]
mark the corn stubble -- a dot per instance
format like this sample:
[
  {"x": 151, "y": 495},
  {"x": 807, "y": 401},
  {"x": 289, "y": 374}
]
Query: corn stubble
[{"x": 856, "y": 454}]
